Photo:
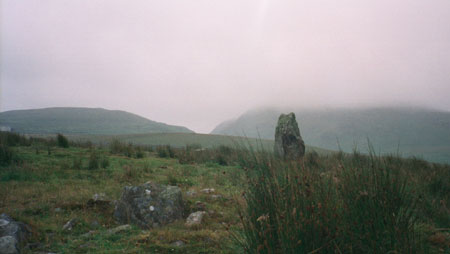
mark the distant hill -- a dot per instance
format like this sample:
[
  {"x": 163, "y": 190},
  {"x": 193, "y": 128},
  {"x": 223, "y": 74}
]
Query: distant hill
[
  {"x": 82, "y": 121},
  {"x": 411, "y": 131}
]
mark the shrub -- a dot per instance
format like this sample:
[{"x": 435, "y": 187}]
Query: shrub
[
  {"x": 7, "y": 155},
  {"x": 104, "y": 163},
  {"x": 165, "y": 151},
  {"x": 116, "y": 147},
  {"x": 94, "y": 161},
  {"x": 77, "y": 163},
  {"x": 13, "y": 139},
  {"x": 162, "y": 152},
  {"x": 62, "y": 141},
  {"x": 139, "y": 153}
]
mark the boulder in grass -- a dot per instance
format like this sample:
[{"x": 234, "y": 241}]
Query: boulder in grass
[
  {"x": 149, "y": 205},
  {"x": 195, "y": 219},
  {"x": 13, "y": 235}
]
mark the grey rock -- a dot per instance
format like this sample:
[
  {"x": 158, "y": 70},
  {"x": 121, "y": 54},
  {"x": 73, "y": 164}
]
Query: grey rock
[
  {"x": 12, "y": 234},
  {"x": 288, "y": 141},
  {"x": 208, "y": 190},
  {"x": 119, "y": 229},
  {"x": 191, "y": 193},
  {"x": 89, "y": 234},
  {"x": 8, "y": 245},
  {"x": 58, "y": 210},
  {"x": 70, "y": 224},
  {"x": 195, "y": 218},
  {"x": 149, "y": 205},
  {"x": 178, "y": 243},
  {"x": 216, "y": 197},
  {"x": 95, "y": 224},
  {"x": 99, "y": 200},
  {"x": 99, "y": 197}
]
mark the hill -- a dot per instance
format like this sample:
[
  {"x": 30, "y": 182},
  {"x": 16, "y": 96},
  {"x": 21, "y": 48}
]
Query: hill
[
  {"x": 417, "y": 132},
  {"x": 82, "y": 121}
]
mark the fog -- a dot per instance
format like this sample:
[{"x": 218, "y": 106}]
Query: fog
[{"x": 198, "y": 62}]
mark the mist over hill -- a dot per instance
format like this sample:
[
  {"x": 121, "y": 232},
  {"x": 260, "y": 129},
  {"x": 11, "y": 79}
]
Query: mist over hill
[
  {"x": 417, "y": 132},
  {"x": 83, "y": 121}
]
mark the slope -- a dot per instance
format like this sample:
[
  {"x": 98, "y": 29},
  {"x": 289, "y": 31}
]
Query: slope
[{"x": 82, "y": 121}]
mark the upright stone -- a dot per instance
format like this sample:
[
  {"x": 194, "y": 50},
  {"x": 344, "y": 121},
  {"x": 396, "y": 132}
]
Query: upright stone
[{"x": 288, "y": 142}]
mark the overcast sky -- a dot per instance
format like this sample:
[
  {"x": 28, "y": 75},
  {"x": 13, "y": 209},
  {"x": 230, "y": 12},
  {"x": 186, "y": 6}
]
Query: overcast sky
[{"x": 198, "y": 62}]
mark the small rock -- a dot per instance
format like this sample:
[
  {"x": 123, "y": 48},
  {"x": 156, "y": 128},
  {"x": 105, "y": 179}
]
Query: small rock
[
  {"x": 191, "y": 193},
  {"x": 216, "y": 197},
  {"x": 119, "y": 229},
  {"x": 99, "y": 197},
  {"x": 70, "y": 224},
  {"x": 88, "y": 234},
  {"x": 8, "y": 245},
  {"x": 195, "y": 218},
  {"x": 99, "y": 200},
  {"x": 85, "y": 246},
  {"x": 178, "y": 243},
  {"x": 57, "y": 210},
  {"x": 95, "y": 224},
  {"x": 208, "y": 190}
]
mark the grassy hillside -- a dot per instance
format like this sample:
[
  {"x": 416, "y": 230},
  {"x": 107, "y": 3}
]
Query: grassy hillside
[
  {"x": 82, "y": 121},
  {"x": 412, "y": 132},
  {"x": 183, "y": 139},
  {"x": 335, "y": 203}
]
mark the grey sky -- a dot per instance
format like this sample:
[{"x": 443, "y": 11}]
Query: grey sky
[{"x": 198, "y": 62}]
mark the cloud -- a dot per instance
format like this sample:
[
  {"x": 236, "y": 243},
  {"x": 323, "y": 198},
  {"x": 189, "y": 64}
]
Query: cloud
[{"x": 196, "y": 63}]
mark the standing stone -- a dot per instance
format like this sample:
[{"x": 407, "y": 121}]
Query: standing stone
[
  {"x": 288, "y": 142},
  {"x": 149, "y": 205}
]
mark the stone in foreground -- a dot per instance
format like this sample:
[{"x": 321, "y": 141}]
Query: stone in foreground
[
  {"x": 149, "y": 205},
  {"x": 288, "y": 142},
  {"x": 13, "y": 234},
  {"x": 195, "y": 218}
]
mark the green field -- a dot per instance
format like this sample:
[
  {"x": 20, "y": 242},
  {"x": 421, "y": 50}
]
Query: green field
[
  {"x": 45, "y": 186},
  {"x": 180, "y": 140}
]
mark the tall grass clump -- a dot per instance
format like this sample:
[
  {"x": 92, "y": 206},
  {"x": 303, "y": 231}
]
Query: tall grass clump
[
  {"x": 288, "y": 208},
  {"x": 13, "y": 139},
  {"x": 165, "y": 151},
  {"x": 62, "y": 141},
  {"x": 94, "y": 161},
  {"x": 7, "y": 153},
  {"x": 379, "y": 204},
  {"x": 361, "y": 204}
]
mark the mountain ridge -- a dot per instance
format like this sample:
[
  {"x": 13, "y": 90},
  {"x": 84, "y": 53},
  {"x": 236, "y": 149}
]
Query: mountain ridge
[{"x": 83, "y": 120}]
